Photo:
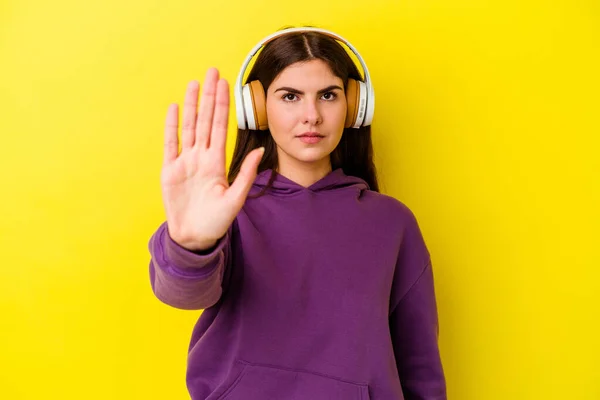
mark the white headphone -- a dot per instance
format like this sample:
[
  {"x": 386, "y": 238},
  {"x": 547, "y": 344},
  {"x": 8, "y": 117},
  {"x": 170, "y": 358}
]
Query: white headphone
[{"x": 250, "y": 101}]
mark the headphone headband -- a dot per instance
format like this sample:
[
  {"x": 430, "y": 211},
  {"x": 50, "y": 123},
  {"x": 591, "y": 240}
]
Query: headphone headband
[{"x": 239, "y": 86}]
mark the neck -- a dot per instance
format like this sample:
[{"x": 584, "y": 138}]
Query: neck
[{"x": 305, "y": 174}]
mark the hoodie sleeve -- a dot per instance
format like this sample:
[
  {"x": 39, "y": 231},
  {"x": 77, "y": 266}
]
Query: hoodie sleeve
[
  {"x": 414, "y": 321},
  {"x": 185, "y": 279}
]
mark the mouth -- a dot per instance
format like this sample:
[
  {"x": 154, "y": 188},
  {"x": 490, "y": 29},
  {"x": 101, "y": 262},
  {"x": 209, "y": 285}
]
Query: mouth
[{"x": 311, "y": 135}]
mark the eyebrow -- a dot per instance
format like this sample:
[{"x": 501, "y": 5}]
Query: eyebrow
[{"x": 296, "y": 91}]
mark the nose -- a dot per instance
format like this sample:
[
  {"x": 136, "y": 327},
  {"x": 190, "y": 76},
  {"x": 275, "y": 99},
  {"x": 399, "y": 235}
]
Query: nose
[{"x": 312, "y": 114}]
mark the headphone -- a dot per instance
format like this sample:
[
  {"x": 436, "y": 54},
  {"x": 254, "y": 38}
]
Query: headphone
[{"x": 250, "y": 99}]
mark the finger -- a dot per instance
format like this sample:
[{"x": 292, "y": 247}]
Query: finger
[
  {"x": 207, "y": 107},
  {"x": 218, "y": 136},
  {"x": 171, "y": 142},
  {"x": 239, "y": 189},
  {"x": 190, "y": 106}
]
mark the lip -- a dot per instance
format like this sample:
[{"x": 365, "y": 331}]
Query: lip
[
  {"x": 310, "y": 134},
  {"x": 310, "y": 139}
]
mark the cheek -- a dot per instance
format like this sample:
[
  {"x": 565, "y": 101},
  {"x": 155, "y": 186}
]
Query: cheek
[
  {"x": 279, "y": 118},
  {"x": 339, "y": 115}
]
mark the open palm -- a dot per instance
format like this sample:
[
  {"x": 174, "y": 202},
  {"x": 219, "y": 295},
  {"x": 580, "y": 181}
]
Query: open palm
[{"x": 199, "y": 203}]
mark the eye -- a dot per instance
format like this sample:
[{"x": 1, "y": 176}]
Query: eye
[
  {"x": 329, "y": 96},
  {"x": 289, "y": 97}
]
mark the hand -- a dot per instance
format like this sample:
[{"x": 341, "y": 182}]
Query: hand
[{"x": 199, "y": 203}]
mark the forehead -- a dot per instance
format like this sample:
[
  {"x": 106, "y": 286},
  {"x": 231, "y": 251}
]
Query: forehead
[{"x": 307, "y": 74}]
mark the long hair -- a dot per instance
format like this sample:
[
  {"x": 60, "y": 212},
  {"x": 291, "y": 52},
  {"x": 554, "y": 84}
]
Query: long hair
[{"x": 354, "y": 153}]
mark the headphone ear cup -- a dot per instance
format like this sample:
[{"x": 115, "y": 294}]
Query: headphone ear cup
[
  {"x": 362, "y": 103},
  {"x": 249, "y": 120},
  {"x": 352, "y": 98},
  {"x": 356, "y": 98},
  {"x": 259, "y": 105}
]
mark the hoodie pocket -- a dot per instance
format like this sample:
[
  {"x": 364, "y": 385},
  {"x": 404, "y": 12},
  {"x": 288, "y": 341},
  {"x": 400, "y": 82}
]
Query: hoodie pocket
[{"x": 250, "y": 381}]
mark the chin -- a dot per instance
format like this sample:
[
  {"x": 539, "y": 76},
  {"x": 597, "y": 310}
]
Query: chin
[{"x": 312, "y": 154}]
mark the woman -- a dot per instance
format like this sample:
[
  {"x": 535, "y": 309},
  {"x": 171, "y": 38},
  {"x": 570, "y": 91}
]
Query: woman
[{"x": 313, "y": 284}]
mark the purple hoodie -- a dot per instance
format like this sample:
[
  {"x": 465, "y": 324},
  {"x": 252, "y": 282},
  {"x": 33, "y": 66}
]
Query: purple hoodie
[{"x": 317, "y": 293}]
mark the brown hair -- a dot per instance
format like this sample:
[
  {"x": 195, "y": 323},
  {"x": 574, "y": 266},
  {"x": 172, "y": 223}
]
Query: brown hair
[{"x": 354, "y": 153}]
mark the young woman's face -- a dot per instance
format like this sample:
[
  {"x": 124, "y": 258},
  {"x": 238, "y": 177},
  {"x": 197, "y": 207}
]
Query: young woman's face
[{"x": 306, "y": 98}]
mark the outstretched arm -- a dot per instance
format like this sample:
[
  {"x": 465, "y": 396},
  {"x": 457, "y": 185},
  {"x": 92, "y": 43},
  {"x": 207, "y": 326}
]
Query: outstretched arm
[{"x": 185, "y": 279}]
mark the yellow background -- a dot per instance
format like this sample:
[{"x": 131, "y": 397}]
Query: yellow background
[{"x": 486, "y": 127}]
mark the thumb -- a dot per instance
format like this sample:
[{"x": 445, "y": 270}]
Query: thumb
[{"x": 238, "y": 191}]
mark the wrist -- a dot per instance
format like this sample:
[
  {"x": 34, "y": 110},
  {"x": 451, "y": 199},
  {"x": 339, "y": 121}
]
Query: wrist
[{"x": 194, "y": 245}]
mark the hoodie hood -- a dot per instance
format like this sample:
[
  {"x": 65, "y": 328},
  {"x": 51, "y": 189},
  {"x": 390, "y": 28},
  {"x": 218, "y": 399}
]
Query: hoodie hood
[{"x": 334, "y": 180}]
